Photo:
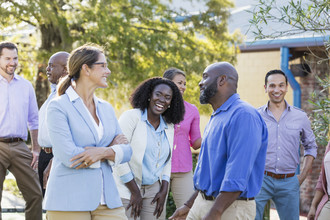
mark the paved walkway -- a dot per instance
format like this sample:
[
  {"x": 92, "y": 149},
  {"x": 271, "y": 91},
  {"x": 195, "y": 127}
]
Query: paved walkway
[{"x": 13, "y": 206}]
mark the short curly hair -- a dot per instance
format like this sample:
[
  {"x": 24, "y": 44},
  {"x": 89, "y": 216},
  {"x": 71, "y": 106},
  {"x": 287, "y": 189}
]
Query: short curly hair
[{"x": 140, "y": 96}]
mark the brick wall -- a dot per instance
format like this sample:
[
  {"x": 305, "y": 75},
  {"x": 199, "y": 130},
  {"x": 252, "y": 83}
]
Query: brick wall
[{"x": 308, "y": 85}]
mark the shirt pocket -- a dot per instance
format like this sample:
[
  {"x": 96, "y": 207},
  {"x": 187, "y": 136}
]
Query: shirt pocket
[{"x": 292, "y": 128}]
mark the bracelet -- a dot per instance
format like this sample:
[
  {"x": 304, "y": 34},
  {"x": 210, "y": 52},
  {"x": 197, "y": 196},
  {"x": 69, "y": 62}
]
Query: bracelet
[{"x": 187, "y": 205}]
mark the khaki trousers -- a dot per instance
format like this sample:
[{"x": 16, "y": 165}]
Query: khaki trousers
[
  {"x": 17, "y": 158},
  {"x": 238, "y": 210},
  {"x": 148, "y": 193},
  {"x": 182, "y": 187},
  {"x": 325, "y": 212},
  {"x": 102, "y": 212}
]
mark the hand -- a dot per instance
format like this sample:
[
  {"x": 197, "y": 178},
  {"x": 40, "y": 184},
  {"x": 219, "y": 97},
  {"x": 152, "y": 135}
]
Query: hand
[
  {"x": 135, "y": 204},
  {"x": 181, "y": 213},
  {"x": 301, "y": 179},
  {"x": 46, "y": 173},
  {"x": 160, "y": 199},
  {"x": 88, "y": 157},
  {"x": 35, "y": 159},
  {"x": 311, "y": 213},
  {"x": 119, "y": 139}
]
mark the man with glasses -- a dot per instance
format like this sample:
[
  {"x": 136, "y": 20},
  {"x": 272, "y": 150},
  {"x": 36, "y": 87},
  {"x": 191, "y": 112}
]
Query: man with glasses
[{"x": 55, "y": 70}]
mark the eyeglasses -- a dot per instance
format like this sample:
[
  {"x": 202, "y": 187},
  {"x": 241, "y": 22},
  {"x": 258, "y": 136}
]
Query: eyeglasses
[{"x": 104, "y": 65}]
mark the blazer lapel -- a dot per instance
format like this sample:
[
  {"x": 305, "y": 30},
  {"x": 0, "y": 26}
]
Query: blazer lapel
[{"x": 84, "y": 114}]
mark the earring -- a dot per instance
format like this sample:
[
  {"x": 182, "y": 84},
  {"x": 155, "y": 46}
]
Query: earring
[
  {"x": 148, "y": 100},
  {"x": 169, "y": 106}
]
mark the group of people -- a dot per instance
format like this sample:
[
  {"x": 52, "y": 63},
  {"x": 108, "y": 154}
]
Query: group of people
[{"x": 91, "y": 166}]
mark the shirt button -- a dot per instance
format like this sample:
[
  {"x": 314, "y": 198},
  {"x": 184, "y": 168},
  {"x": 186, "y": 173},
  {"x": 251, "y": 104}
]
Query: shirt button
[
  {"x": 279, "y": 147},
  {"x": 278, "y": 125},
  {"x": 278, "y": 158}
]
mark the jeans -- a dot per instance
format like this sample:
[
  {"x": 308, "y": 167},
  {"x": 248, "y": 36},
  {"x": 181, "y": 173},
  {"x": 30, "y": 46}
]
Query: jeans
[{"x": 284, "y": 193}]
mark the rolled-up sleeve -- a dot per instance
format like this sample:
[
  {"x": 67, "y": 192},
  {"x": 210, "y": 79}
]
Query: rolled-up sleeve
[{"x": 308, "y": 138}]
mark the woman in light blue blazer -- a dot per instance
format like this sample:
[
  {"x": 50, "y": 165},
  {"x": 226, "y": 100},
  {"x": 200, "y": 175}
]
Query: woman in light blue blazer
[
  {"x": 143, "y": 182},
  {"x": 87, "y": 142}
]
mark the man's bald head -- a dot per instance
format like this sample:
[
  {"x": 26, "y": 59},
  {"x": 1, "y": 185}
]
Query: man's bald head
[
  {"x": 57, "y": 66},
  {"x": 225, "y": 68}
]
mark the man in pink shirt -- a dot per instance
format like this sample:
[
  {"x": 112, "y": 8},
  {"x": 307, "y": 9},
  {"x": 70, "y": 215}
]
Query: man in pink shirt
[{"x": 19, "y": 110}]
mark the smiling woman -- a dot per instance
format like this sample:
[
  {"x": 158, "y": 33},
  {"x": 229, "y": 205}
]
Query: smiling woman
[
  {"x": 87, "y": 142},
  {"x": 143, "y": 182}
]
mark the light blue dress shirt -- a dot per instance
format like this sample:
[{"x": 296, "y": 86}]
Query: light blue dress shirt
[
  {"x": 285, "y": 137},
  {"x": 233, "y": 151},
  {"x": 157, "y": 153}
]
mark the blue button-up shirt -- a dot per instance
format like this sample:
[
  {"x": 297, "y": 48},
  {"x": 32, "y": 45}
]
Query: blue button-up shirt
[
  {"x": 285, "y": 137},
  {"x": 157, "y": 153},
  {"x": 233, "y": 151}
]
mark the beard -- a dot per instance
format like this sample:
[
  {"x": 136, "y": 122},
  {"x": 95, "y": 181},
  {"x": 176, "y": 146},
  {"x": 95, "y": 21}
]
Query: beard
[
  {"x": 7, "y": 71},
  {"x": 208, "y": 93}
]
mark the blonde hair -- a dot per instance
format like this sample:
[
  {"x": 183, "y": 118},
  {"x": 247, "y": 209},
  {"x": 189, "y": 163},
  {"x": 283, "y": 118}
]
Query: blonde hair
[{"x": 86, "y": 54}]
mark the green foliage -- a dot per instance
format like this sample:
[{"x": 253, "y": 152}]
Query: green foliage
[
  {"x": 11, "y": 185},
  {"x": 321, "y": 112},
  {"x": 299, "y": 15},
  {"x": 141, "y": 38}
]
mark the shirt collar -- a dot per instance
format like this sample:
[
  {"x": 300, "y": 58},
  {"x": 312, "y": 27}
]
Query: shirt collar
[
  {"x": 73, "y": 95},
  {"x": 225, "y": 106},
  {"x": 287, "y": 106},
  {"x": 162, "y": 125},
  {"x": 16, "y": 77},
  {"x": 53, "y": 87}
]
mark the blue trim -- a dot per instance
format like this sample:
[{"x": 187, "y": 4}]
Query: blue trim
[
  {"x": 294, "y": 84},
  {"x": 287, "y": 42}
]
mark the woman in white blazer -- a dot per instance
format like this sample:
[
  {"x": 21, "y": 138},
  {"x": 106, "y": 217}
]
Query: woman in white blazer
[
  {"x": 87, "y": 141},
  {"x": 143, "y": 182}
]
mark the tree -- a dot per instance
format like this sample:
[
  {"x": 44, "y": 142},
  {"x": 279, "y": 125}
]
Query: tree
[
  {"x": 141, "y": 38},
  {"x": 301, "y": 17}
]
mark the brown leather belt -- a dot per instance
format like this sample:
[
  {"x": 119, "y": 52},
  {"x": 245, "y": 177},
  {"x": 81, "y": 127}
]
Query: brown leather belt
[
  {"x": 245, "y": 199},
  {"x": 48, "y": 150},
  {"x": 11, "y": 140},
  {"x": 206, "y": 197},
  {"x": 212, "y": 198},
  {"x": 279, "y": 176}
]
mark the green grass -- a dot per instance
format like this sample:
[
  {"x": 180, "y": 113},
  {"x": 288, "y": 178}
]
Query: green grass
[{"x": 10, "y": 185}]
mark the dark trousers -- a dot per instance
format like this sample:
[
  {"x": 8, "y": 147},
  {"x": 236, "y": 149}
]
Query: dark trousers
[{"x": 44, "y": 159}]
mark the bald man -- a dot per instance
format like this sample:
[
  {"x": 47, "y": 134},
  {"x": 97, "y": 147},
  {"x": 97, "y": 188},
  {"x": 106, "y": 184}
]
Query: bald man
[
  {"x": 55, "y": 70},
  {"x": 230, "y": 168}
]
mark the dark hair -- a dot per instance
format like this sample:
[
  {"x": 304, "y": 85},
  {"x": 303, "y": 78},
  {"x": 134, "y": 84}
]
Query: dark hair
[
  {"x": 140, "y": 96},
  {"x": 8, "y": 45},
  {"x": 86, "y": 54},
  {"x": 170, "y": 73},
  {"x": 272, "y": 72}
]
